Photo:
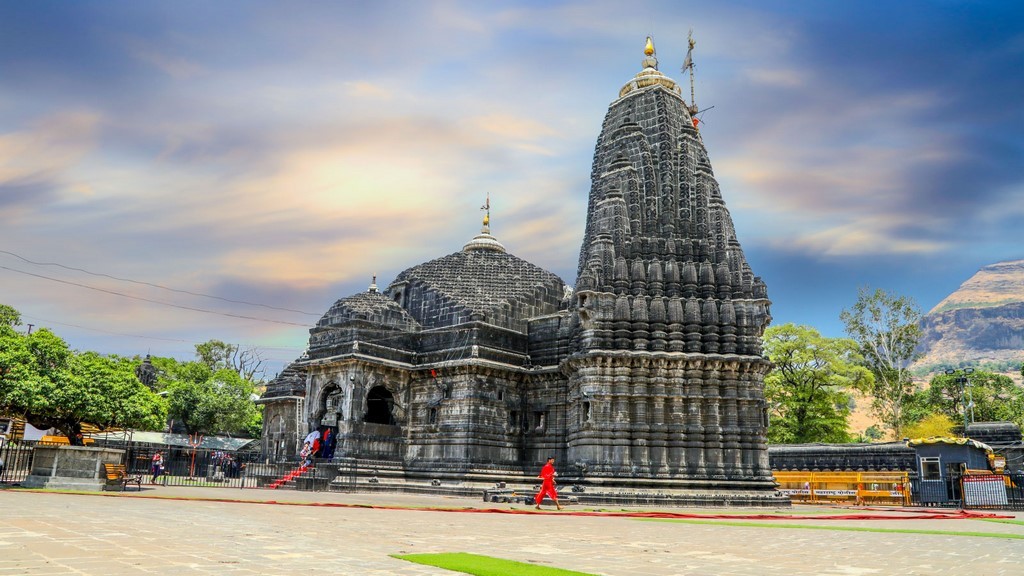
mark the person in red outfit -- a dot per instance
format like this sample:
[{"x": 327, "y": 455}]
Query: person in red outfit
[{"x": 547, "y": 486}]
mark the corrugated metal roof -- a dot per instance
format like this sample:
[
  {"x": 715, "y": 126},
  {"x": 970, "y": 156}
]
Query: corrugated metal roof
[{"x": 181, "y": 440}]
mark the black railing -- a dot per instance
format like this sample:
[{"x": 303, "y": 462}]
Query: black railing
[
  {"x": 184, "y": 466},
  {"x": 15, "y": 461},
  {"x": 972, "y": 492}
]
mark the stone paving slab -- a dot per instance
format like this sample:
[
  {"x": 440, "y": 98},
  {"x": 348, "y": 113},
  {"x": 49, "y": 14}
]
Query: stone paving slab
[{"x": 135, "y": 533}]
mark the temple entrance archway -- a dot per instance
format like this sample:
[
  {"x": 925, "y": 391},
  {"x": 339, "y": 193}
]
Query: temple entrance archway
[
  {"x": 379, "y": 406},
  {"x": 329, "y": 406}
]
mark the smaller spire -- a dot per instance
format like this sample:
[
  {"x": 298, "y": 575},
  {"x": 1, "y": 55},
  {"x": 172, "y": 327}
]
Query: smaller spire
[
  {"x": 650, "y": 58},
  {"x": 487, "y": 214},
  {"x": 484, "y": 240},
  {"x": 373, "y": 284}
]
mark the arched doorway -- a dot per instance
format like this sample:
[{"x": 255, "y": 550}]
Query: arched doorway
[
  {"x": 329, "y": 409},
  {"x": 379, "y": 404}
]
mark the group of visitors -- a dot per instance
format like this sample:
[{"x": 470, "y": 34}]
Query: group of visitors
[
  {"x": 318, "y": 444},
  {"x": 229, "y": 464}
]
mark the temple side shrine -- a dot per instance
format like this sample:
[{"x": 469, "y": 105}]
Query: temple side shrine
[{"x": 646, "y": 382}]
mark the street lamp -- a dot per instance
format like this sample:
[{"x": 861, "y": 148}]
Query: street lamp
[{"x": 963, "y": 378}]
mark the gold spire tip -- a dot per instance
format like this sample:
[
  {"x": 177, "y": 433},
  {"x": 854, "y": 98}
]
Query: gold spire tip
[
  {"x": 487, "y": 210},
  {"x": 649, "y": 48}
]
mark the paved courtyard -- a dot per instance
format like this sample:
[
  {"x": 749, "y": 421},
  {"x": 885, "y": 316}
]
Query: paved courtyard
[{"x": 54, "y": 533}]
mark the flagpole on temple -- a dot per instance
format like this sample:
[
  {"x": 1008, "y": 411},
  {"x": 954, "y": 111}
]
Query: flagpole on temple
[{"x": 688, "y": 64}]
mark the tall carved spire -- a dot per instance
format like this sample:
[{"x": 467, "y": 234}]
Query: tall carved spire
[{"x": 666, "y": 308}]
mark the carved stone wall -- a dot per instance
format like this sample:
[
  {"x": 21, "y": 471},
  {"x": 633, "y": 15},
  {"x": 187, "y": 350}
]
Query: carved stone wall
[{"x": 337, "y": 395}]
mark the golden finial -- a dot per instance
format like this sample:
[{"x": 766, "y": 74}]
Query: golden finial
[
  {"x": 487, "y": 211},
  {"x": 649, "y": 49}
]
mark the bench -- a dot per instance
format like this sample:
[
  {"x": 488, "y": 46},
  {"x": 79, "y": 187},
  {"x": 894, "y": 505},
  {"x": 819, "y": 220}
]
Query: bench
[{"x": 117, "y": 475}]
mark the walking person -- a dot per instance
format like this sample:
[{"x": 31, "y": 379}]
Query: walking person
[
  {"x": 547, "y": 485},
  {"x": 157, "y": 467}
]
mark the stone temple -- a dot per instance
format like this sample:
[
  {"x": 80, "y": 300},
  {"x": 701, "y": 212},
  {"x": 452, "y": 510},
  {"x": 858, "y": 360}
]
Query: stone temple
[{"x": 645, "y": 382}]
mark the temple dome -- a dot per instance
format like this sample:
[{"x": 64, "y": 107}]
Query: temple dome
[
  {"x": 370, "y": 306},
  {"x": 481, "y": 282},
  {"x": 484, "y": 241}
]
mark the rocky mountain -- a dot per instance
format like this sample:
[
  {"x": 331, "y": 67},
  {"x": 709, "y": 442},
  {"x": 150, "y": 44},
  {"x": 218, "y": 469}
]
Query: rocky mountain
[{"x": 982, "y": 321}]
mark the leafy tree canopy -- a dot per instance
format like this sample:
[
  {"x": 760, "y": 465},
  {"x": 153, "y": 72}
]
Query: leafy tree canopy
[
  {"x": 9, "y": 316},
  {"x": 51, "y": 386},
  {"x": 931, "y": 425},
  {"x": 808, "y": 389},
  {"x": 994, "y": 397},
  {"x": 209, "y": 395},
  {"x": 886, "y": 329},
  {"x": 218, "y": 355}
]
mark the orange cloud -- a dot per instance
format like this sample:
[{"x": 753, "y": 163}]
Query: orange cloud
[{"x": 49, "y": 148}]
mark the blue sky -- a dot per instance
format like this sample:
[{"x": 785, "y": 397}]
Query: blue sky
[{"x": 283, "y": 153}]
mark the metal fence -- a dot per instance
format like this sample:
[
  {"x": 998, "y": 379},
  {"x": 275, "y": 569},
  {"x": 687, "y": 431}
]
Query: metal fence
[
  {"x": 218, "y": 468},
  {"x": 191, "y": 466},
  {"x": 184, "y": 466},
  {"x": 15, "y": 461},
  {"x": 974, "y": 492}
]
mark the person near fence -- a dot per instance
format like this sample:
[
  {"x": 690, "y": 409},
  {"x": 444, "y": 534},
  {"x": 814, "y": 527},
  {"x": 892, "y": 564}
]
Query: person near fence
[
  {"x": 157, "y": 466},
  {"x": 547, "y": 486}
]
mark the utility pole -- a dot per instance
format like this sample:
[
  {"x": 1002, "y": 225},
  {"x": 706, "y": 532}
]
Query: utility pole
[
  {"x": 963, "y": 378},
  {"x": 30, "y": 328}
]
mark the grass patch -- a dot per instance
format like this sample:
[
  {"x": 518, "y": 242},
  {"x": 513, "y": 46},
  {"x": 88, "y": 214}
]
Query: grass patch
[
  {"x": 484, "y": 565},
  {"x": 1003, "y": 521},
  {"x": 842, "y": 528}
]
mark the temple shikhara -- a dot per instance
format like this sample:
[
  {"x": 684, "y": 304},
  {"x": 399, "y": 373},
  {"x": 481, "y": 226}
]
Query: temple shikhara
[{"x": 645, "y": 381}]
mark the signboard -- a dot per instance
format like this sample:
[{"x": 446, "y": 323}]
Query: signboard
[
  {"x": 835, "y": 492},
  {"x": 986, "y": 490}
]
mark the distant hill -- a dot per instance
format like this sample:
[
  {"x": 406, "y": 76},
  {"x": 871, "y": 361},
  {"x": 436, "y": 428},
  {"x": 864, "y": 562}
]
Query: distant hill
[{"x": 982, "y": 322}]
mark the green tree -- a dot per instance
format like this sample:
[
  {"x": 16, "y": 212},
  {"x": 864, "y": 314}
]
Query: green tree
[
  {"x": 9, "y": 316},
  {"x": 51, "y": 386},
  {"x": 209, "y": 402},
  {"x": 886, "y": 330},
  {"x": 995, "y": 397},
  {"x": 934, "y": 424},
  {"x": 808, "y": 388},
  {"x": 217, "y": 355}
]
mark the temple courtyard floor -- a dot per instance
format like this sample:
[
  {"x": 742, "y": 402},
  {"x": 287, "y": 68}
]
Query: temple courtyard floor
[{"x": 167, "y": 530}]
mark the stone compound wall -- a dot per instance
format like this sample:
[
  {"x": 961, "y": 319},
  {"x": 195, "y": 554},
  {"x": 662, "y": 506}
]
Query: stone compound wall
[{"x": 71, "y": 467}]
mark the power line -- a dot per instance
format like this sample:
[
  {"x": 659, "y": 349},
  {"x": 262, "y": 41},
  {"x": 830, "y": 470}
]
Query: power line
[
  {"x": 151, "y": 337},
  {"x": 154, "y": 285},
  {"x": 123, "y": 295},
  {"x": 106, "y": 331}
]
